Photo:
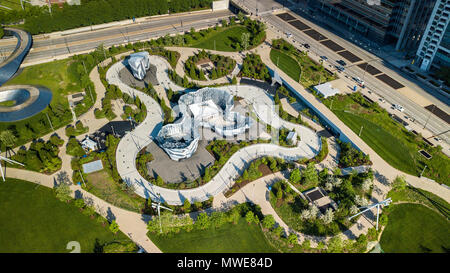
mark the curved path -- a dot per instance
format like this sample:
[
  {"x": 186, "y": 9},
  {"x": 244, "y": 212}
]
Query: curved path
[
  {"x": 133, "y": 142},
  {"x": 9, "y": 66}
]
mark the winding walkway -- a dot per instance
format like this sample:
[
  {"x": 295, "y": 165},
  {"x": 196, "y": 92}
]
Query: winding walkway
[{"x": 133, "y": 142}]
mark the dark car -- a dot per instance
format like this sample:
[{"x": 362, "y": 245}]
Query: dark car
[
  {"x": 341, "y": 62},
  {"x": 306, "y": 45}
]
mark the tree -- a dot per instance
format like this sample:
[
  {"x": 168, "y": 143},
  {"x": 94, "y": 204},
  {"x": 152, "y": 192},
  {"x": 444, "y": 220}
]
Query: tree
[
  {"x": 268, "y": 221},
  {"x": 335, "y": 244},
  {"x": 8, "y": 138},
  {"x": 366, "y": 185},
  {"x": 245, "y": 38},
  {"x": 240, "y": 17},
  {"x": 234, "y": 216},
  {"x": 187, "y": 205},
  {"x": 202, "y": 221},
  {"x": 249, "y": 217},
  {"x": 114, "y": 227},
  {"x": 234, "y": 80},
  {"x": 361, "y": 201},
  {"x": 399, "y": 183},
  {"x": 278, "y": 231},
  {"x": 310, "y": 173},
  {"x": 295, "y": 176},
  {"x": 63, "y": 192},
  {"x": 327, "y": 218},
  {"x": 292, "y": 239}
]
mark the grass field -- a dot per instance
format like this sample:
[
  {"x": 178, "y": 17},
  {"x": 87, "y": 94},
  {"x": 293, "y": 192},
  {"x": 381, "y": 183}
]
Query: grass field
[
  {"x": 224, "y": 39},
  {"x": 33, "y": 220},
  {"x": 285, "y": 63},
  {"x": 389, "y": 139},
  {"x": 230, "y": 238},
  {"x": 11, "y": 4},
  {"x": 385, "y": 144},
  {"x": 102, "y": 185},
  {"x": 291, "y": 61},
  {"x": 414, "y": 228},
  {"x": 60, "y": 78}
]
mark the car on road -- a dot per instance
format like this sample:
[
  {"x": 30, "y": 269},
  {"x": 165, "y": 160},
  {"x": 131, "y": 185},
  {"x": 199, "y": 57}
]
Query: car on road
[
  {"x": 438, "y": 139},
  {"x": 306, "y": 45},
  {"x": 289, "y": 35},
  {"x": 340, "y": 68},
  {"x": 324, "y": 58},
  {"x": 382, "y": 100},
  {"x": 341, "y": 62},
  {"x": 359, "y": 81},
  {"x": 398, "y": 107}
]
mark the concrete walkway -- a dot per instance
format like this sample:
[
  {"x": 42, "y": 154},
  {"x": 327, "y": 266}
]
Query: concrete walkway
[{"x": 139, "y": 138}]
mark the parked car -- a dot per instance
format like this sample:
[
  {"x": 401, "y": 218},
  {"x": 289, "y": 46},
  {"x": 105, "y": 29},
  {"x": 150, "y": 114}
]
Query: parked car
[{"x": 307, "y": 45}]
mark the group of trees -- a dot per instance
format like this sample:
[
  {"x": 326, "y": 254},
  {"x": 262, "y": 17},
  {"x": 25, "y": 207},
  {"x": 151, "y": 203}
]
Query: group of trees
[
  {"x": 253, "y": 67},
  {"x": 222, "y": 66},
  {"x": 172, "y": 223},
  {"x": 351, "y": 157},
  {"x": 92, "y": 12},
  {"x": 77, "y": 130},
  {"x": 41, "y": 156},
  {"x": 349, "y": 192}
]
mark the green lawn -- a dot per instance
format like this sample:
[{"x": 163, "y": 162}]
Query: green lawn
[
  {"x": 286, "y": 64},
  {"x": 60, "y": 77},
  {"x": 225, "y": 39},
  {"x": 384, "y": 143},
  {"x": 388, "y": 138},
  {"x": 12, "y": 4},
  {"x": 8, "y": 103},
  {"x": 101, "y": 184},
  {"x": 414, "y": 228},
  {"x": 229, "y": 238},
  {"x": 33, "y": 220}
]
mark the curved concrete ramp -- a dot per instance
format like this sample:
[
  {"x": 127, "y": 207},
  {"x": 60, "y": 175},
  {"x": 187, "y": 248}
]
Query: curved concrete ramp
[{"x": 10, "y": 66}]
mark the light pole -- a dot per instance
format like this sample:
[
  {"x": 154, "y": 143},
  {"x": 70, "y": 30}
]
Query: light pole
[
  {"x": 423, "y": 171},
  {"x": 360, "y": 131}
]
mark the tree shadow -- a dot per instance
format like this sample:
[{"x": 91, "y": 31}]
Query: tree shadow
[{"x": 110, "y": 215}]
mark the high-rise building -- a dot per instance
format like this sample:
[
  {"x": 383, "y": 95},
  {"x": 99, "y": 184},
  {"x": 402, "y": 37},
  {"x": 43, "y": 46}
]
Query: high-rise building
[
  {"x": 397, "y": 22},
  {"x": 434, "y": 48}
]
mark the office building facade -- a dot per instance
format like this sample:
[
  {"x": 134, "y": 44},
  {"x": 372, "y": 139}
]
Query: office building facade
[
  {"x": 434, "y": 48},
  {"x": 397, "y": 22}
]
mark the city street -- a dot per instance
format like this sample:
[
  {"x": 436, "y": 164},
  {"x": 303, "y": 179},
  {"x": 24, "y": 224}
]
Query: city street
[
  {"x": 411, "y": 97},
  {"x": 53, "y": 46}
]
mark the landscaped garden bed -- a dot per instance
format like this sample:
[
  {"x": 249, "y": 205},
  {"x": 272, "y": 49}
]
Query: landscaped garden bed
[
  {"x": 217, "y": 66},
  {"x": 348, "y": 192}
]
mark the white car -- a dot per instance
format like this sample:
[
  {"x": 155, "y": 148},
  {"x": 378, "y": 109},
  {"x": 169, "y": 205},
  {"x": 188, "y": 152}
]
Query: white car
[
  {"x": 289, "y": 35},
  {"x": 399, "y": 107},
  {"x": 382, "y": 100}
]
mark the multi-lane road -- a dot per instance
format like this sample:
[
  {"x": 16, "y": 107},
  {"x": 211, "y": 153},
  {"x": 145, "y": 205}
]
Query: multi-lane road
[
  {"x": 412, "y": 97},
  {"x": 52, "y": 46}
]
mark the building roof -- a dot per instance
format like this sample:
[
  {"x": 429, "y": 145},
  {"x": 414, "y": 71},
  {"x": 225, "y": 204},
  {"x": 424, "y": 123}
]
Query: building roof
[
  {"x": 87, "y": 142},
  {"x": 326, "y": 90},
  {"x": 92, "y": 166},
  {"x": 204, "y": 109},
  {"x": 292, "y": 135}
]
